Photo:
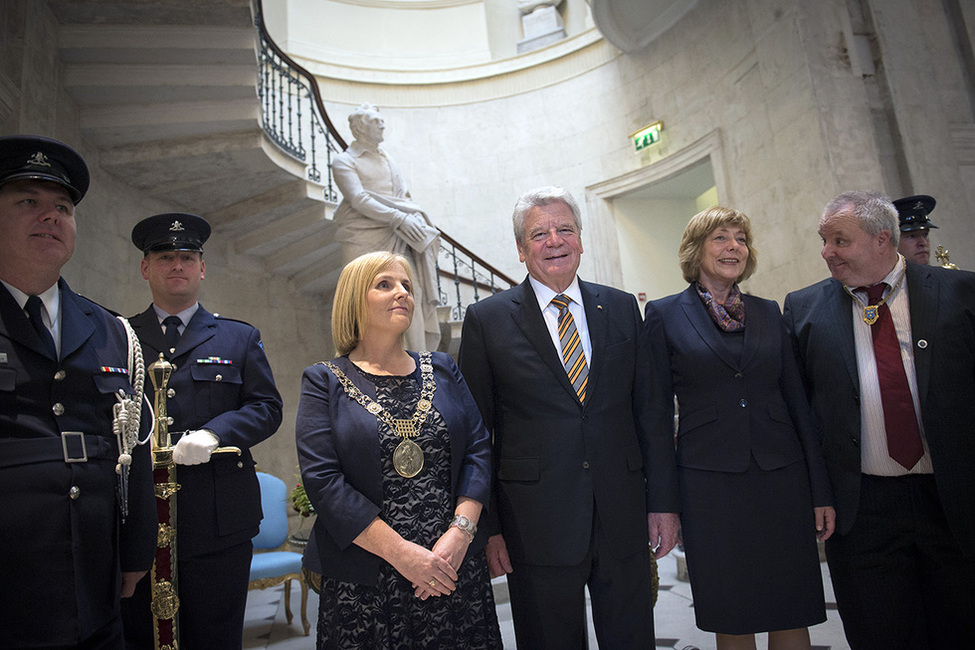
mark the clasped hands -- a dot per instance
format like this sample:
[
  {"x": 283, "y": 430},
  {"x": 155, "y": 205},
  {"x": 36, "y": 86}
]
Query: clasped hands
[
  {"x": 433, "y": 572},
  {"x": 412, "y": 228}
]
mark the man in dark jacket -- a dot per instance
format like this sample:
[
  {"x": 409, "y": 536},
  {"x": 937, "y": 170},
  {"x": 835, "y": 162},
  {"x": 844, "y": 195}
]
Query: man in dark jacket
[
  {"x": 221, "y": 394},
  {"x": 66, "y": 524}
]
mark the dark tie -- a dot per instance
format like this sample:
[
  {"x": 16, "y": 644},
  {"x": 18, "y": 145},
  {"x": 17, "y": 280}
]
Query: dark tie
[
  {"x": 33, "y": 308},
  {"x": 903, "y": 436},
  {"x": 573, "y": 357},
  {"x": 172, "y": 324}
]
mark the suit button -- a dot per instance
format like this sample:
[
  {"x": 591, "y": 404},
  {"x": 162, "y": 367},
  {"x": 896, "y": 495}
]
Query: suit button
[
  {"x": 171, "y": 393},
  {"x": 585, "y": 464},
  {"x": 240, "y": 465},
  {"x": 218, "y": 378},
  {"x": 743, "y": 403},
  {"x": 738, "y": 375},
  {"x": 922, "y": 343},
  {"x": 855, "y": 441},
  {"x": 60, "y": 375},
  {"x": 74, "y": 492},
  {"x": 58, "y": 408}
]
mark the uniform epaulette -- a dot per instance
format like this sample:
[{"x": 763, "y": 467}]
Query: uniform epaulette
[
  {"x": 114, "y": 313},
  {"x": 233, "y": 320}
]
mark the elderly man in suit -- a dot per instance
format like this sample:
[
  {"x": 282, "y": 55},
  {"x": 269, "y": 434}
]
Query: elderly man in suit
[
  {"x": 222, "y": 393},
  {"x": 581, "y": 486},
  {"x": 887, "y": 351},
  {"x": 66, "y": 527}
]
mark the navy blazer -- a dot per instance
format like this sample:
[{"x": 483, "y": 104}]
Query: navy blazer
[
  {"x": 942, "y": 307},
  {"x": 341, "y": 467},
  {"x": 734, "y": 408},
  {"x": 61, "y": 539},
  {"x": 223, "y": 383},
  {"x": 554, "y": 458}
]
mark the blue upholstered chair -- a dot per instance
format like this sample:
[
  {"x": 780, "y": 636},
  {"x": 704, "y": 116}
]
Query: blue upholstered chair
[{"x": 269, "y": 566}]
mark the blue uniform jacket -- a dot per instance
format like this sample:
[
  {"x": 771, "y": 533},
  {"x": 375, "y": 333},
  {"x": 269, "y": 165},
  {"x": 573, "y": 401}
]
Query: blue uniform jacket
[
  {"x": 61, "y": 539},
  {"x": 338, "y": 450},
  {"x": 223, "y": 383}
]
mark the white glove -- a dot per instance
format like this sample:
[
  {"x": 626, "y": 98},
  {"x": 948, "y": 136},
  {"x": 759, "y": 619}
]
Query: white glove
[
  {"x": 412, "y": 228},
  {"x": 195, "y": 447}
]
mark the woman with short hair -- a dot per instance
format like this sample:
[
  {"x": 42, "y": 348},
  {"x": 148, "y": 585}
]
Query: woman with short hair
[{"x": 754, "y": 490}]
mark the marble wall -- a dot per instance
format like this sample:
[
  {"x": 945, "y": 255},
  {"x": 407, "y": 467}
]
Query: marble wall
[{"x": 792, "y": 102}]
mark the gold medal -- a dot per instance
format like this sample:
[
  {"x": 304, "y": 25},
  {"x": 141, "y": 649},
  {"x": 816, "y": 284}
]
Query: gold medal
[{"x": 407, "y": 458}]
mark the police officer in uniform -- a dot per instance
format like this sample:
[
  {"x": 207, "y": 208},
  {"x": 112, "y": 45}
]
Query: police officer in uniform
[
  {"x": 912, "y": 212},
  {"x": 221, "y": 393},
  {"x": 71, "y": 540}
]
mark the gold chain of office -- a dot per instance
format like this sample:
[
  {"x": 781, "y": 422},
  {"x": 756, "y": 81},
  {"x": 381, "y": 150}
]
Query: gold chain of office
[{"x": 408, "y": 456}]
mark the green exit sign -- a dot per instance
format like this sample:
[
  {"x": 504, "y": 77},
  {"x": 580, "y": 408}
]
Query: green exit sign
[{"x": 647, "y": 136}]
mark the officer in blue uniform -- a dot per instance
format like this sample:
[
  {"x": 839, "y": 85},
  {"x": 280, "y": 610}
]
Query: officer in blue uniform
[
  {"x": 66, "y": 526},
  {"x": 222, "y": 394}
]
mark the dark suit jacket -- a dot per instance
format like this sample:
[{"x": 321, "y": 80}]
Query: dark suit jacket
[
  {"x": 219, "y": 503},
  {"x": 60, "y": 554},
  {"x": 341, "y": 468},
  {"x": 730, "y": 408},
  {"x": 554, "y": 457},
  {"x": 942, "y": 307}
]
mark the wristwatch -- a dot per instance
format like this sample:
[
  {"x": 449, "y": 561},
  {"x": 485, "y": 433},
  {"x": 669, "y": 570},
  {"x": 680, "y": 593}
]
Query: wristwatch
[{"x": 466, "y": 525}]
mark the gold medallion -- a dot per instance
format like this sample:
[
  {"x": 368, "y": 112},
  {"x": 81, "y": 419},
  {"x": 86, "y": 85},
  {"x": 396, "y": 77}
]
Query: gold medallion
[{"x": 407, "y": 458}]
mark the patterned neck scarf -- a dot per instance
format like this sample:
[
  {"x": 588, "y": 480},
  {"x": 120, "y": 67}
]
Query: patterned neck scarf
[{"x": 730, "y": 316}]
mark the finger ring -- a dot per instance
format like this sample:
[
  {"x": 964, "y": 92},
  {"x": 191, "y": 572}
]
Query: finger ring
[{"x": 432, "y": 583}]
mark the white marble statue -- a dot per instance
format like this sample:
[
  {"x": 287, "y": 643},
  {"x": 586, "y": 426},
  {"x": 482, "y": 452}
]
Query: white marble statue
[{"x": 377, "y": 213}]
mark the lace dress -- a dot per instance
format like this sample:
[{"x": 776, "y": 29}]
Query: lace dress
[{"x": 420, "y": 509}]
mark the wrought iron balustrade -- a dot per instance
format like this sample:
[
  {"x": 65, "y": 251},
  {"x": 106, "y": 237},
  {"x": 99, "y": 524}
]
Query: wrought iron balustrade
[{"x": 292, "y": 112}]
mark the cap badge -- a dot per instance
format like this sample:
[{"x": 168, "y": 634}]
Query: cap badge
[
  {"x": 177, "y": 226},
  {"x": 919, "y": 205},
  {"x": 38, "y": 159}
]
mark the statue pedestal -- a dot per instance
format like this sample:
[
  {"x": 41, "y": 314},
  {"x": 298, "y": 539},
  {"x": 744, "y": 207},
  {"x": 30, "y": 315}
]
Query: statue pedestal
[{"x": 543, "y": 26}]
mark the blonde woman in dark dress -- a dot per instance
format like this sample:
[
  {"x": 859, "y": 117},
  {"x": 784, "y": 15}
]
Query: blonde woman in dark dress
[{"x": 396, "y": 461}]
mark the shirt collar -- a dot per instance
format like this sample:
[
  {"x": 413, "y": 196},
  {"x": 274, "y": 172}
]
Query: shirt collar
[
  {"x": 51, "y": 299},
  {"x": 357, "y": 149},
  {"x": 544, "y": 294},
  {"x": 184, "y": 315},
  {"x": 891, "y": 278}
]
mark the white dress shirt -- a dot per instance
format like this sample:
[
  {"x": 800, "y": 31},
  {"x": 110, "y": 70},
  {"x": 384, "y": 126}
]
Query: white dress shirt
[
  {"x": 874, "y": 457},
  {"x": 550, "y": 313},
  {"x": 51, "y": 314}
]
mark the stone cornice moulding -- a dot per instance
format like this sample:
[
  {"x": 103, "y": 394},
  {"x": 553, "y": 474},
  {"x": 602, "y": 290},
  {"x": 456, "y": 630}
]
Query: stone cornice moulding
[
  {"x": 564, "y": 49},
  {"x": 409, "y": 4},
  {"x": 503, "y": 82}
]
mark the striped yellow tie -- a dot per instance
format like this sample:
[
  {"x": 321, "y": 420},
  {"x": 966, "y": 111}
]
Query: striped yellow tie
[{"x": 573, "y": 357}]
